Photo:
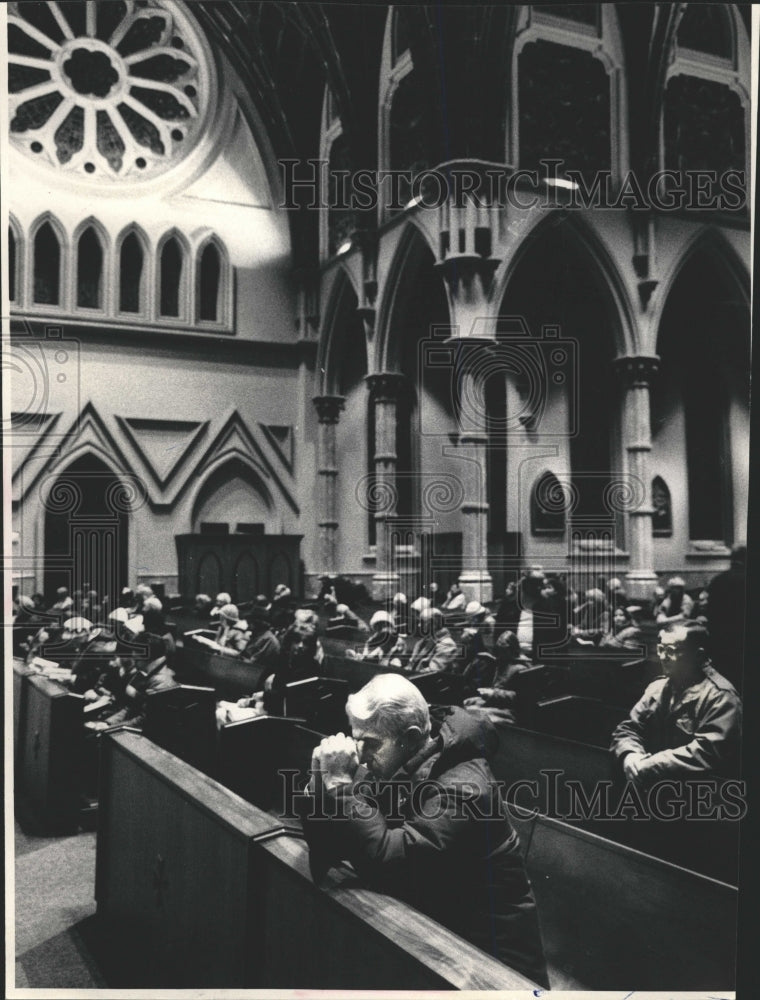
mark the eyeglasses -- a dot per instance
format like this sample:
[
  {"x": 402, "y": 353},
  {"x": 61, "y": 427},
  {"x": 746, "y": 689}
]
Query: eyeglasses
[{"x": 669, "y": 652}]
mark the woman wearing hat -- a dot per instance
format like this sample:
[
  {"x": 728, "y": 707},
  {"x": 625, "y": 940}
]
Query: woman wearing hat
[
  {"x": 500, "y": 692},
  {"x": 232, "y": 636}
]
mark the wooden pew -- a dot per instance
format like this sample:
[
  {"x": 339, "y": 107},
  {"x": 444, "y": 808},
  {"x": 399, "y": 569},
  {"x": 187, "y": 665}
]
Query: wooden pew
[
  {"x": 230, "y": 676},
  {"x": 20, "y": 688},
  {"x": 52, "y": 753},
  {"x": 614, "y": 918},
  {"x": 708, "y": 846},
  {"x": 182, "y": 720},
  {"x": 356, "y": 673},
  {"x": 252, "y": 752},
  {"x": 196, "y": 888}
]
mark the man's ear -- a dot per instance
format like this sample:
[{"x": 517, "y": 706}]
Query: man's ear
[{"x": 412, "y": 738}]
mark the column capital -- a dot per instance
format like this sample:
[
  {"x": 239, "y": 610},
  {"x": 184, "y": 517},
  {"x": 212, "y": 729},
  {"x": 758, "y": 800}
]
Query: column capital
[
  {"x": 385, "y": 386},
  {"x": 328, "y": 408},
  {"x": 637, "y": 369}
]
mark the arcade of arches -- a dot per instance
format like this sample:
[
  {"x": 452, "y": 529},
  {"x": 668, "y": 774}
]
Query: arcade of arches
[{"x": 410, "y": 394}]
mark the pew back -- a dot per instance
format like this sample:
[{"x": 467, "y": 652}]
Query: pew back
[
  {"x": 52, "y": 751},
  {"x": 20, "y": 672},
  {"x": 195, "y": 888},
  {"x": 614, "y": 918},
  {"x": 230, "y": 676}
]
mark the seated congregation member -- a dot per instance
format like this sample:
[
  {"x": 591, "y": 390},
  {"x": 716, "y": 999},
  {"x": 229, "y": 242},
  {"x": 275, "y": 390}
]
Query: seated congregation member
[
  {"x": 455, "y": 599},
  {"x": 202, "y": 606},
  {"x": 520, "y": 612},
  {"x": 280, "y": 610},
  {"x": 298, "y": 661},
  {"x": 429, "y": 629},
  {"x": 625, "y": 632},
  {"x": 592, "y": 619},
  {"x": 26, "y": 624},
  {"x": 676, "y": 604},
  {"x": 142, "y": 674},
  {"x": 445, "y": 656},
  {"x": 400, "y": 611},
  {"x": 688, "y": 723},
  {"x": 495, "y": 687},
  {"x": 616, "y": 595},
  {"x": 63, "y": 603},
  {"x": 450, "y": 852},
  {"x": 343, "y": 619},
  {"x": 263, "y": 647},
  {"x": 383, "y": 646},
  {"x": 232, "y": 635}
]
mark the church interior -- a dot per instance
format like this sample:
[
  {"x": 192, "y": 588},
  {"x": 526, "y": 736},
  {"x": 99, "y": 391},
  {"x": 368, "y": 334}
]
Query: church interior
[{"x": 347, "y": 339}]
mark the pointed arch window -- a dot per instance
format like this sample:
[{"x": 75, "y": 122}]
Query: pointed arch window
[
  {"x": 662, "y": 517},
  {"x": 568, "y": 94},
  {"x": 47, "y": 266},
  {"x": 548, "y": 506},
  {"x": 705, "y": 117},
  {"x": 171, "y": 280},
  {"x": 210, "y": 284},
  {"x": 89, "y": 270},
  {"x": 131, "y": 268},
  {"x": 337, "y": 221},
  {"x": 404, "y": 140}
]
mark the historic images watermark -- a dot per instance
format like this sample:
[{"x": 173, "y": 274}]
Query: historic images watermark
[
  {"x": 312, "y": 184},
  {"x": 668, "y": 800}
]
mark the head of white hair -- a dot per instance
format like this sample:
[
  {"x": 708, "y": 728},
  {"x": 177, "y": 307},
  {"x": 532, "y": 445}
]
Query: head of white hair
[{"x": 389, "y": 704}]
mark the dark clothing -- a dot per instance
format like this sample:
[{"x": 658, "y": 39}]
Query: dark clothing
[
  {"x": 689, "y": 735},
  {"x": 726, "y": 607},
  {"x": 264, "y": 650},
  {"x": 549, "y": 622},
  {"x": 449, "y": 848}
]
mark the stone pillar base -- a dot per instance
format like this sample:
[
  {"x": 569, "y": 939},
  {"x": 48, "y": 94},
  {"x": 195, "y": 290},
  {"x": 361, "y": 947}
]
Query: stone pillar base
[
  {"x": 476, "y": 585},
  {"x": 384, "y": 586},
  {"x": 640, "y": 584}
]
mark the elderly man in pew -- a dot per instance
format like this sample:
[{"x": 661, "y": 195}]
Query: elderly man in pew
[
  {"x": 688, "y": 723},
  {"x": 441, "y": 840}
]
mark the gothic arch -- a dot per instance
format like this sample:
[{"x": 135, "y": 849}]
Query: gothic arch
[
  {"x": 64, "y": 248},
  {"x": 185, "y": 286},
  {"x": 604, "y": 266},
  {"x": 148, "y": 266},
  {"x": 105, "y": 267},
  {"x": 224, "y": 282},
  {"x": 411, "y": 252},
  {"x": 16, "y": 262},
  {"x": 227, "y": 469}
]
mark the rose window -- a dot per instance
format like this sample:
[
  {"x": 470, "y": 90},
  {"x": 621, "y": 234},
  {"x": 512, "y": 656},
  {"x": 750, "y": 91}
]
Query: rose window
[{"x": 106, "y": 89}]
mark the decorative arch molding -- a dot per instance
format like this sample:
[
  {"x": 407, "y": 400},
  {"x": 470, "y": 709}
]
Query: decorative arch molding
[
  {"x": 148, "y": 275},
  {"x": 674, "y": 60},
  {"x": 225, "y": 284},
  {"x": 711, "y": 241},
  {"x": 185, "y": 286},
  {"x": 626, "y": 336},
  {"x": 106, "y": 269},
  {"x": 342, "y": 293},
  {"x": 230, "y": 466},
  {"x": 64, "y": 244},
  {"x": 16, "y": 269},
  {"x": 408, "y": 256}
]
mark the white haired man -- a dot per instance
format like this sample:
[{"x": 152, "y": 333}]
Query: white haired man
[{"x": 441, "y": 840}]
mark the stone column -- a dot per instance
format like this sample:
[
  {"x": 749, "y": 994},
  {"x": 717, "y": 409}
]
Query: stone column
[
  {"x": 636, "y": 374},
  {"x": 384, "y": 388},
  {"x": 328, "y": 410},
  {"x": 475, "y": 580}
]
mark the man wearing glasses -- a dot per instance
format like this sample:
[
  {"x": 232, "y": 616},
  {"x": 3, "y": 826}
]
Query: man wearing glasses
[{"x": 688, "y": 722}]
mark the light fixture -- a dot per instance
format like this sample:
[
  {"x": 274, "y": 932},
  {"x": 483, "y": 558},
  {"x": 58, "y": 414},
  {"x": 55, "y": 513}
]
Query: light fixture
[
  {"x": 344, "y": 247},
  {"x": 561, "y": 182},
  {"x": 413, "y": 202}
]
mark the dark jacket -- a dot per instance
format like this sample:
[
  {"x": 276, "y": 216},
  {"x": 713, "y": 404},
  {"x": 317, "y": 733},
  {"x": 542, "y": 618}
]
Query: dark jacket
[
  {"x": 696, "y": 736},
  {"x": 447, "y": 848}
]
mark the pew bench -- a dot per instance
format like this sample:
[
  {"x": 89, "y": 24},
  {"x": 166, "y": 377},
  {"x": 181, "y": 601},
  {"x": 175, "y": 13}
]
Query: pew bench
[{"x": 197, "y": 888}]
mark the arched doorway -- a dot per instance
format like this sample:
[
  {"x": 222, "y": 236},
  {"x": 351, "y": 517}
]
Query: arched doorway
[
  {"x": 700, "y": 404},
  {"x": 560, "y": 299},
  {"x": 87, "y": 530}
]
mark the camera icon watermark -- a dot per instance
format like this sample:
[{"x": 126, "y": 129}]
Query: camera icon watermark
[
  {"x": 42, "y": 374},
  {"x": 532, "y": 370}
]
